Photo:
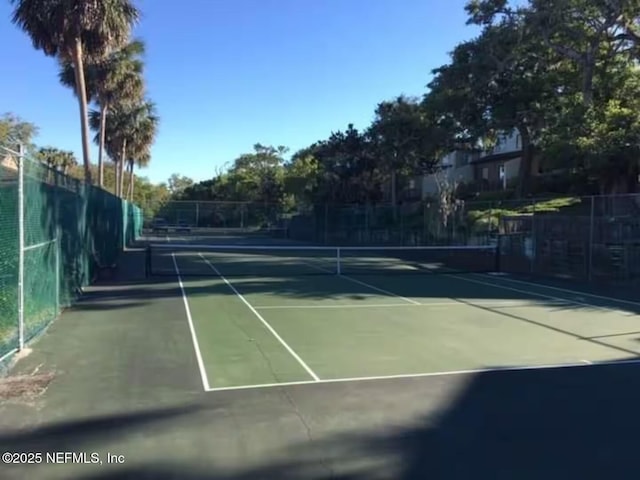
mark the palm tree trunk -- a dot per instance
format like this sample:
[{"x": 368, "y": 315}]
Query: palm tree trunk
[
  {"x": 116, "y": 164},
  {"x": 82, "y": 100},
  {"x": 132, "y": 179},
  {"x": 118, "y": 175},
  {"x": 121, "y": 166},
  {"x": 103, "y": 129},
  {"x": 122, "y": 174}
]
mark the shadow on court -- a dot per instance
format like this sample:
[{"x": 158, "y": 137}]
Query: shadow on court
[
  {"x": 324, "y": 286},
  {"x": 539, "y": 424},
  {"x": 126, "y": 383}
]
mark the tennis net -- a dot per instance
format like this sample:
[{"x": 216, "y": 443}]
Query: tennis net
[{"x": 276, "y": 261}]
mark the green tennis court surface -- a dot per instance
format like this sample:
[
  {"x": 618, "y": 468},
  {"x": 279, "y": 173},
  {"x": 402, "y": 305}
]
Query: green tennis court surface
[
  {"x": 260, "y": 331},
  {"x": 317, "y": 376}
]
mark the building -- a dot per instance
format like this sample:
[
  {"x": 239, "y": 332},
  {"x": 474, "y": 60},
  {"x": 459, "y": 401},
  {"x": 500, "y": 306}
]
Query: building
[
  {"x": 493, "y": 169},
  {"x": 456, "y": 167}
]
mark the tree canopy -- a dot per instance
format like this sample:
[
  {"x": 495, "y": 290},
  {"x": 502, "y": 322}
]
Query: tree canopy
[{"x": 562, "y": 75}]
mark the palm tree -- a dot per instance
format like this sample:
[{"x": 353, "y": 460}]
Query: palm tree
[
  {"x": 129, "y": 132},
  {"x": 141, "y": 162},
  {"x": 75, "y": 30},
  {"x": 116, "y": 78},
  {"x": 115, "y": 143},
  {"x": 141, "y": 125},
  {"x": 56, "y": 160}
]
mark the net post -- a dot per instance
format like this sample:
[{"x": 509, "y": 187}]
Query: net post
[
  {"x": 338, "y": 265},
  {"x": 20, "y": 159}
]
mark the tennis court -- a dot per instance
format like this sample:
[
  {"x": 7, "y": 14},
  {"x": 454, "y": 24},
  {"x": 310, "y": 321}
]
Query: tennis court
[{"x": 267, "y": 315}]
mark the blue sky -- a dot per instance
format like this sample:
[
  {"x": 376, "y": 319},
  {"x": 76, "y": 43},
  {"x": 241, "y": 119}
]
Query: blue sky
[{"x": 228, "y": 74}]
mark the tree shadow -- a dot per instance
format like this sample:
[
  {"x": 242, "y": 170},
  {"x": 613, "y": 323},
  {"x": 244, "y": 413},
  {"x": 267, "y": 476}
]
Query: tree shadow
[
  {"x": 88, "y": 431},
  {"x": 317, "y": 287},
  {"x": 558, "y": 423}
]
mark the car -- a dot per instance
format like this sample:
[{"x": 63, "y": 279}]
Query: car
[{"x": 160, "y": 225}]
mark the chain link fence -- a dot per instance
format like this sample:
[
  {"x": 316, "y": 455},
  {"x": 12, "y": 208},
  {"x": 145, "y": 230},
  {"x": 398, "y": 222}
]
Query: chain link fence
[
  {"x": 594, "y": 238},
  {"x": 56, "y": 234}
]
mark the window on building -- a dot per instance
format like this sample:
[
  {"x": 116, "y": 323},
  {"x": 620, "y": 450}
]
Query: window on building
[
  {"x": 518, "y": 142},
  {"x": 485, "y": 173}
]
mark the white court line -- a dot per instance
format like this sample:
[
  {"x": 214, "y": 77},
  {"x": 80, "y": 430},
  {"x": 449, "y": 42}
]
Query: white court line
[
  {"x": 577, "y": 292},
  {"x": 555, "y": 366},
  {"x": 381, "y": 290},
  {"x": 305, "y": 307},
  {"x": 364, "y": 284},
  {"x": 194, "y": 338},
  {"x": 266, "y": 324},
  {"x": 389, "y": 305},
  {"x": 38, "y": 245},
  {"x": 528, "y": 292}
]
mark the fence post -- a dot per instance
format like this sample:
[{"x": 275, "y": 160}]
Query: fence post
[
  {"x": 533, "y": 235},
  {"x": 326, "y": 223},
  {"x": 57, "y": 271},
  {"x": 366, "y": 240},
  {"x": 21, "y": 247},
  {"x": 401, "y": 227},
  {"x": 487, "y": 235},
  {"x": 424, "y": 223},
  {"x": 591, "y": 233},
  {"x": 56, "y": 219}
]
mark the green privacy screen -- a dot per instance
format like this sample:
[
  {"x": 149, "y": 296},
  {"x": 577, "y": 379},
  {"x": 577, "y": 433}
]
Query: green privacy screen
[{"x": 71, "y": 230}]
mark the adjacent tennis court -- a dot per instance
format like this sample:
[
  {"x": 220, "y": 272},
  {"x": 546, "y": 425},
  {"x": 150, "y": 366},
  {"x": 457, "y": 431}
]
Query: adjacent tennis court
[{"x": 265, "y": 315}]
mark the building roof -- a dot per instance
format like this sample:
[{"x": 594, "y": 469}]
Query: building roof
[{"x": 497, "y": 157}]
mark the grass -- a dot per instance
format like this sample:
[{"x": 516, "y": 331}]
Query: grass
[
  {"x": 485, "y": 218},
  {"x": 489, "y": 218},
  {"x": 472, "y": 218}
]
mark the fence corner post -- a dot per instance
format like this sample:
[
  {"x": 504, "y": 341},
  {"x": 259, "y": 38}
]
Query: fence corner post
[{"x": 20, "y": 160}]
